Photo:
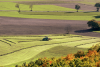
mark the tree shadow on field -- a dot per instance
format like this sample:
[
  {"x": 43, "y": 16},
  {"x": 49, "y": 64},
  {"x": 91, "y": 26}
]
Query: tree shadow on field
[
  {"x": 86, "y": 12},
  {"x": 86, "y": 30},
  {"x": 97, "y": 16},
  {"x": 69, "y": 12}
]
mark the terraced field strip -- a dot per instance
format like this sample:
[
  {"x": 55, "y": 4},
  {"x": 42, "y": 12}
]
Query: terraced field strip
[
  {"x": 11, "y": 6},
  {"x": 16, "y": 14}
]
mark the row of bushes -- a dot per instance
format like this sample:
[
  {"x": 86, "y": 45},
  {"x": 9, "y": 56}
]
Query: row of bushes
[{"x": 80, "y": 59}]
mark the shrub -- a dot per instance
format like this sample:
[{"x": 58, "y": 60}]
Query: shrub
[
  {"x": 96, "y": 47},
  {"x": 79, "y": 54}
]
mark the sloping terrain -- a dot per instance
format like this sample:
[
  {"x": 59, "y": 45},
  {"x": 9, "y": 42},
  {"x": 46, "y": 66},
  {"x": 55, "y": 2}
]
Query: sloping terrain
[{"x": 15, "y": 49}]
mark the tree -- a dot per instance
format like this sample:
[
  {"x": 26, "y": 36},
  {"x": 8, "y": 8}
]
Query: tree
[
  {"x": 98, "y": 6},
  {"x": 17, "y": 6},
  {"x": 77, "y": 7},
  {"x": 68, "y": 28},
  {"x": 31, "y": 6},
  {"x": 94, "y": 24}
]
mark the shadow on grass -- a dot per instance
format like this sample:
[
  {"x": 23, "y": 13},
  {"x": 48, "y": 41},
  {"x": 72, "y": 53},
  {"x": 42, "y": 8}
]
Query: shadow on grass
[
  {"x": 86, "y": 12},
  {"x": 97, "y": 16},
  {"x": 69, "y": 12},
  {"x": 86, "y": 30}
]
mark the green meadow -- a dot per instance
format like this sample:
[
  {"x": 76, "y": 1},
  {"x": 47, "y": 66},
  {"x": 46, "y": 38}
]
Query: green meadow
[
  {"x": 97, "y": 31},
  {"x": 11, "y": 6},
  {"x": 18, "y": 49},
  {"x": 52, "y": 13},
  {"x": 45, "y": 16}
]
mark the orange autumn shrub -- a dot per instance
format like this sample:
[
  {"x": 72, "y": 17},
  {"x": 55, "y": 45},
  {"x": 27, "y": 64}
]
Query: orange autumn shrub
[
  {"x": 92, "y": 53},
  {"x": 70, "y": 57},
  {"x": 98, "y": 64}
]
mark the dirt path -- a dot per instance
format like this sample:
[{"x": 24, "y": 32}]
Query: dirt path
[{"x": 22, "y": 26}]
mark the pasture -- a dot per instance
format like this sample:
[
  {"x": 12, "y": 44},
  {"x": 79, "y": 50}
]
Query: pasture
[
  {"x": 50, "y": 15},
  {"x": 18, "y": 49},
  {"x": 11, "y": 6}
]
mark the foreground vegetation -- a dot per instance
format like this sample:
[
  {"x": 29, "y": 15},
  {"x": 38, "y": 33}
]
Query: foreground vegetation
[{"x": 27, "y": 48}]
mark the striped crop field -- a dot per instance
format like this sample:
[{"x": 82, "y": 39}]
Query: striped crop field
[{"x": 18, "y": 49}]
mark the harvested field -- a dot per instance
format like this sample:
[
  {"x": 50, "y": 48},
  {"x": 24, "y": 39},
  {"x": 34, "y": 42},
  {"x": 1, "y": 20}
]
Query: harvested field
[{"x": 22, "y": 26}]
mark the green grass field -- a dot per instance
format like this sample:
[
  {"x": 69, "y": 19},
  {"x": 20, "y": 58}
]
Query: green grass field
[
  {"x": 11, "y": 6},
  {"x": 74, "y": 16},
  {"x": 19, "y": 49},
  {"x": 45, "y": 15},
  {"x": 97, "y": 31}
]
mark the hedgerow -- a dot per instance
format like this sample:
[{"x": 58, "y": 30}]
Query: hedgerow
[{"x": 80, "y": 59}]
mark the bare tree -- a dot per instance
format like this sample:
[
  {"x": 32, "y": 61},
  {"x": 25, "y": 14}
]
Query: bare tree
[
  {"x": 31, "y": 6},
  {"x": 17, "y": 5},
  {"x": 68, "y": 28}
]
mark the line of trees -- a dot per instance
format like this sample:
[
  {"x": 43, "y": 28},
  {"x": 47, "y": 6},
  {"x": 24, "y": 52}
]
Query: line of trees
[
  {"x": 77, "y": 7},
  {"x": 97, "y": 5},
  {"x": 17, "y": 6}
]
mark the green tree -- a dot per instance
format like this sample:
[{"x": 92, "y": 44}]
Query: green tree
[
  {"x": 97, "y": 5},
  {"x": 77, "y": 7},
  {"x": 31, "y": 6},
  {"x": 17, "y": 6},
  {"x": 94, "y": 24}
]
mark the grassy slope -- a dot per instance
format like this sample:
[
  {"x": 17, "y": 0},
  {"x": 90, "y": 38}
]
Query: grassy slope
[
  {"x": 28, "y": 53},
  {"x": 45, "y": 15},
  {"x": 11, "y": 6},
  {"x": 60, "y": 17}
]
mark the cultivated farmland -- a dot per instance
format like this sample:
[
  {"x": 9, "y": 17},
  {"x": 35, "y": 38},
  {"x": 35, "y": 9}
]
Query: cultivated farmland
[
  {"x": 26, "y": 47},
  {"x": 21, "y": 33}
]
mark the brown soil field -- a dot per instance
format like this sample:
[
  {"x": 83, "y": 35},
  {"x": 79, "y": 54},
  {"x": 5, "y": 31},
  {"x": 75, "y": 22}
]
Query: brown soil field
[
  {"x": 23, "y": 26},
  {"x": 72, "y": 5}
]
